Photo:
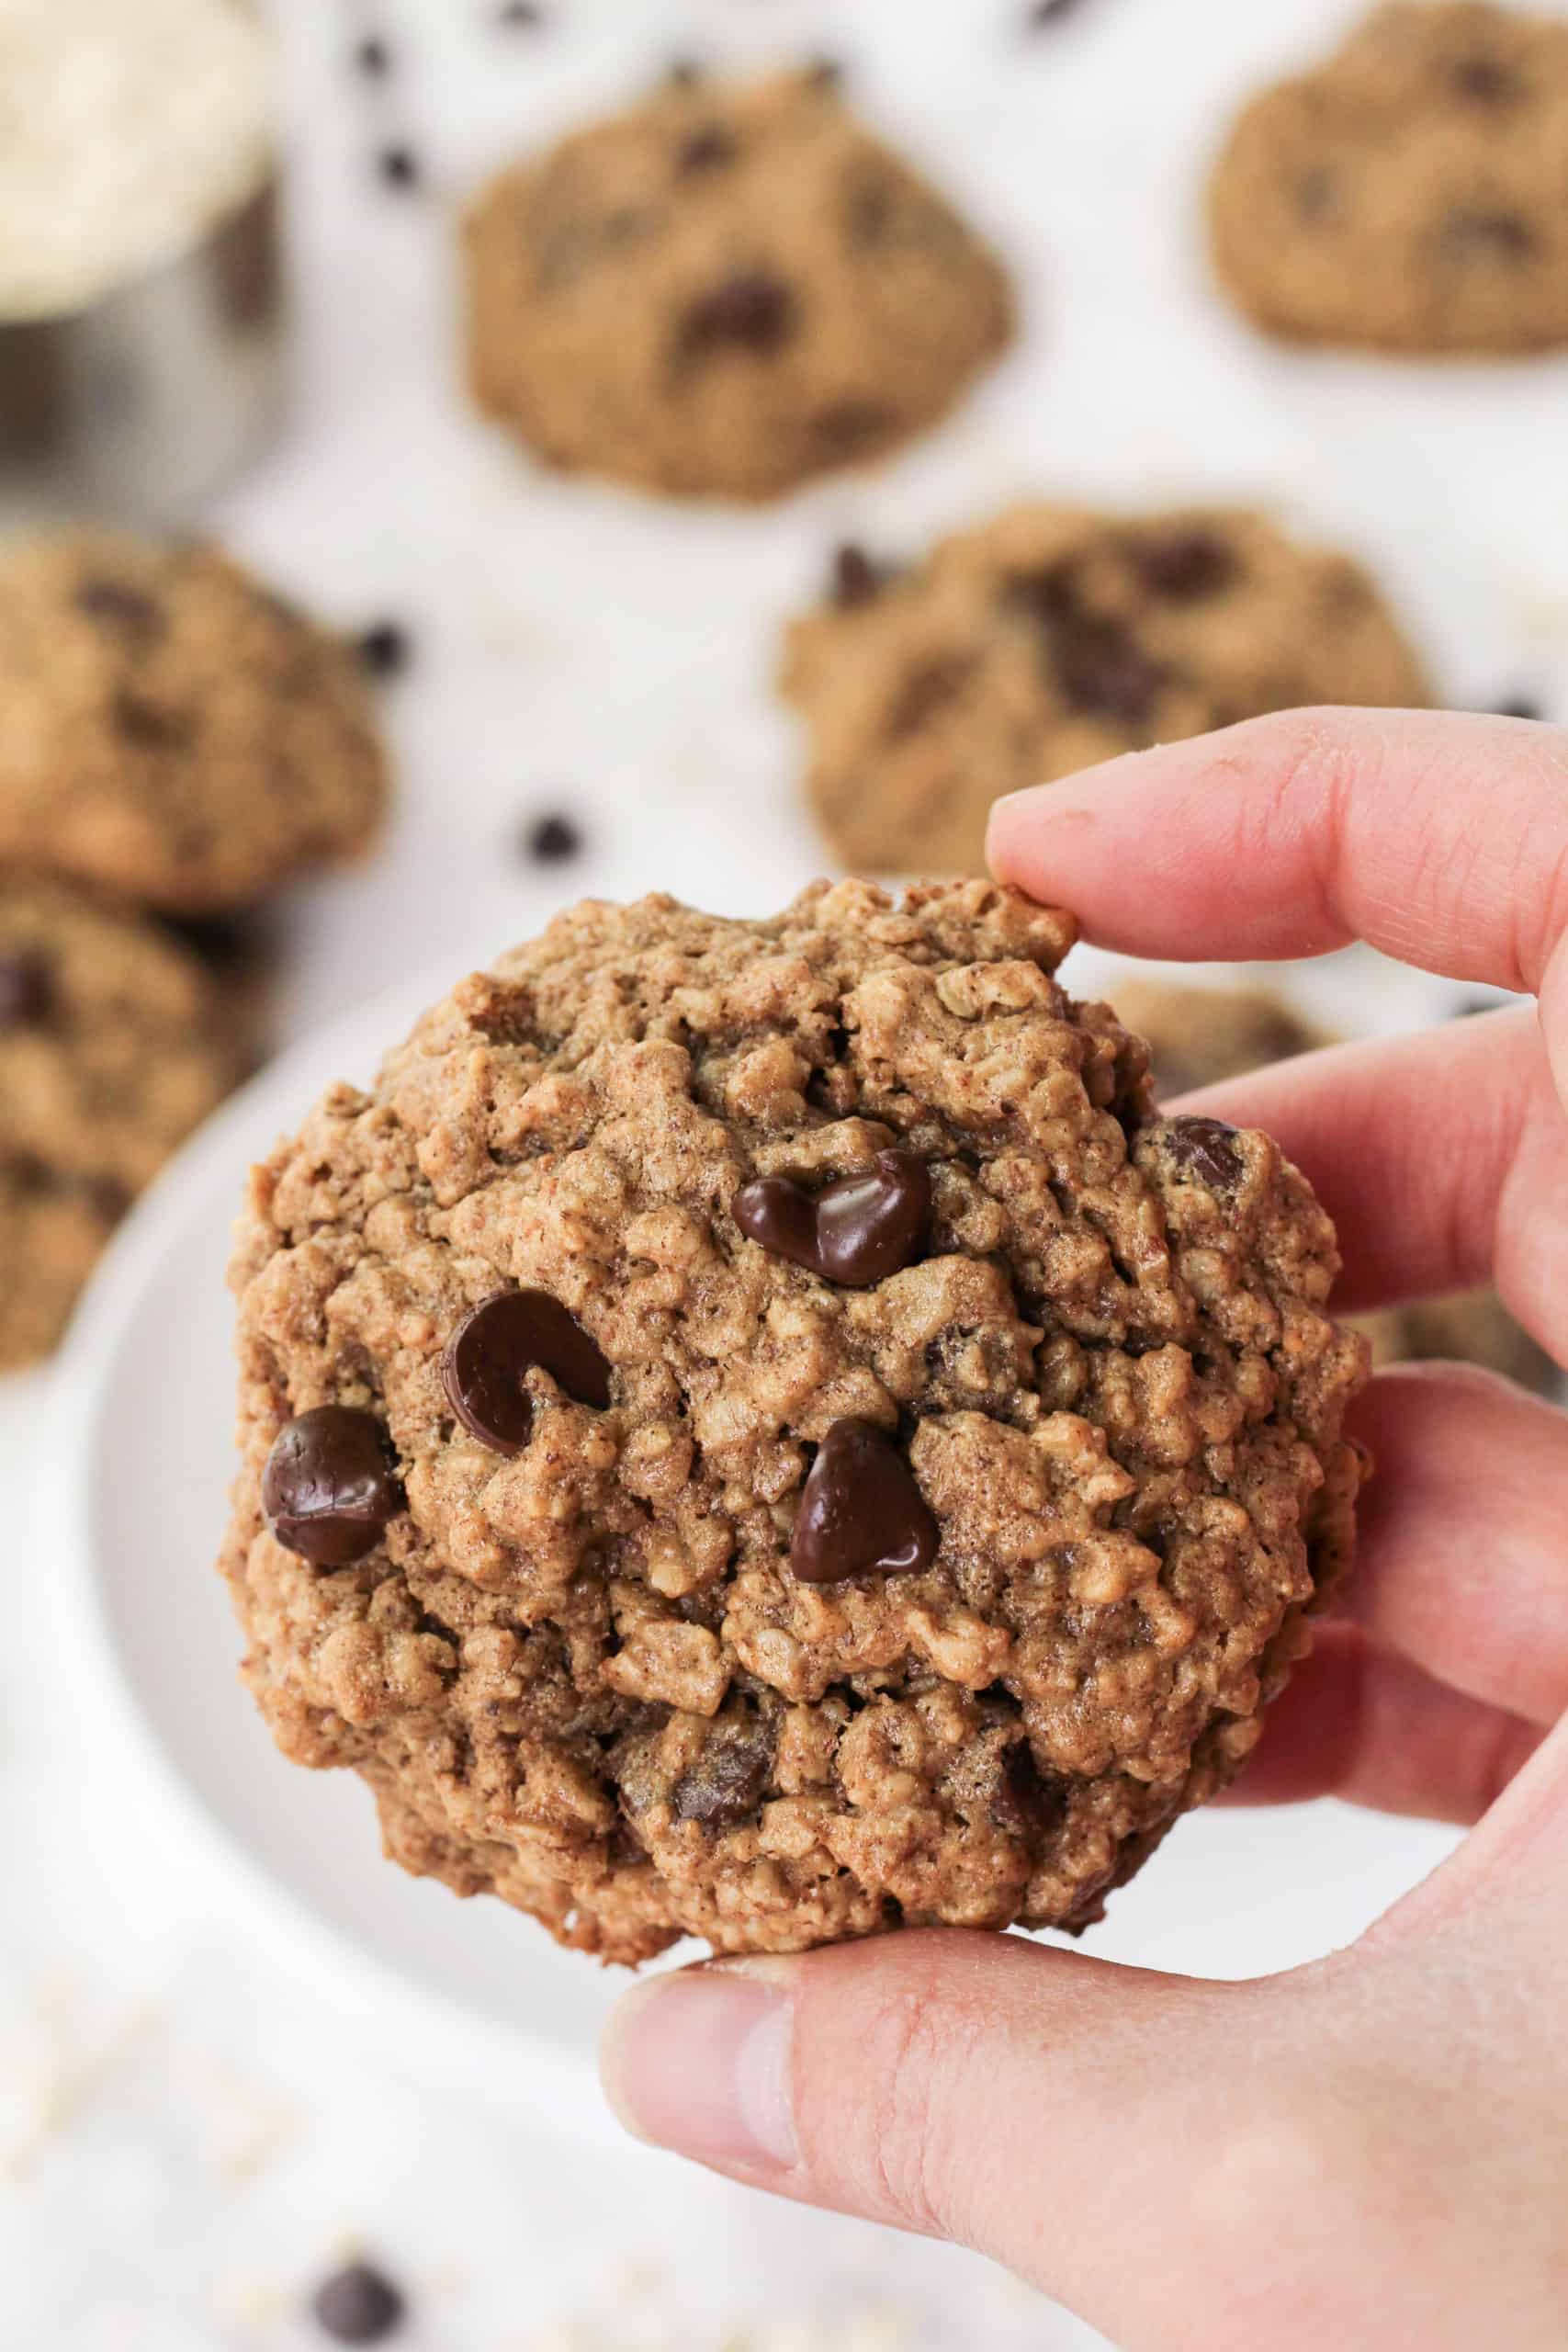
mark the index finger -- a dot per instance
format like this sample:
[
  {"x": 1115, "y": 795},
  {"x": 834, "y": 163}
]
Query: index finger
[{"x": 1440, "y": 837}]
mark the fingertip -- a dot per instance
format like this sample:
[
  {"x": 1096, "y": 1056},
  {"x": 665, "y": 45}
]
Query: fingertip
[{"x": 698, "y": 2062}]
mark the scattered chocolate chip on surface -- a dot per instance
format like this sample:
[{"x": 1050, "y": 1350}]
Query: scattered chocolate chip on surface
[
  {"x": 358, "y": 2305},
  {"x": 386, "y": 649},
  {"x": 855, "y": 1232},
  {"x": 398, "y": 168},
  {"x": 493, "y": 1348},
  {"x": 373, "y": 58},
  {"x": 331, "y": 1487},
  {"x": 552, "y": 839},
  {"x": 1041, "y": 13},
  {"x": 520, "y": 16},
  {"x": 861, "y": 1512}
]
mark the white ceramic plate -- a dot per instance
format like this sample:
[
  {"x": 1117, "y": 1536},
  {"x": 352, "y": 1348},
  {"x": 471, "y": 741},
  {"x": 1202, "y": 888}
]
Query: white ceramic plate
[{"x": 138, "y": 1489}]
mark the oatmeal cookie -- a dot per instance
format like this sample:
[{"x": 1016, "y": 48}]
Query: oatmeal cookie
[
  {"x": 760, "y": 1430},
  {"x": 1408, "y": 195},
  {"x": 725, "y": 291},
  {"x": 1051, "y": 638},
  {"x": 171, "y": 730},
  {"x": 114, "y": 1042}
]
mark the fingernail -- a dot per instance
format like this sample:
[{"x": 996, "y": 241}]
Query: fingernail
[{"x": 699, "y": 2061}]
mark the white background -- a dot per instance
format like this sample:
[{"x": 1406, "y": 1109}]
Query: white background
[{"x": 199, "y": 2108}]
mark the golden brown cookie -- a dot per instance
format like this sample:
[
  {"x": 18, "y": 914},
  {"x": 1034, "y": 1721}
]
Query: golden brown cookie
[
  {"x": 725, "y": 291},
  {"x": 1409, "y": 194},
  {"x": 1051, "y": 638},
  {"x": 114, "y": 1042},
  {"x": 761, "y": 1430},
  {"x": 172, "y": 732}
]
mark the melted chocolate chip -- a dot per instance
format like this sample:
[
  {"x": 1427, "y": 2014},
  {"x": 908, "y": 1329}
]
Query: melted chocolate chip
[
  {"x": 27, "y": 988},
  {"x": 493, "y": 1347},
  {"x": 724, "y": 1784},
  {"x": 357, "y": 2305},
  {"x": 330, "y": 1485},
  {"x": 750, "y": 311},
  {"x": 1185, "y": 566},
  {"x": 1205, "y": 1148},
  {"x": 122, "y": 606},
  {"x": 549, "y": 840},
  {"x": 386, "y": 649},
  {"x": 860, "y": 1512},
  {"x": 1476, "y": 236},
  {"x": 1021, "y": 1803},
  {"x": 708, "y": 150},
  {"x": 1104, "y": 670},
  {"x": 857, "y": 581},
  {"x": 857, "y": 1232}
]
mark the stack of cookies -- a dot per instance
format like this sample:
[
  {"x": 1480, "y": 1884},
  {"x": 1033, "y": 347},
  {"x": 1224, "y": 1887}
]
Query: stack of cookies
[{"x": 175, "y": 743}]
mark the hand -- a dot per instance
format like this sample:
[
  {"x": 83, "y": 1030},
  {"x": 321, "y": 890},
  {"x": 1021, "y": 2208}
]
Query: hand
[{"x": 1372, "y": 2150}]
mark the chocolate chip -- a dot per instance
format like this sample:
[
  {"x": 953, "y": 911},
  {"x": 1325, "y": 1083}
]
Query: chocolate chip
[
  {"x": 1102, "y": 670},
  {"x": 1518, "y": 706},
  {"x": 857, "y": 1232},
  {"x": 857, "y": 581},
  {"x": 398, "y": 168},
  {"x": 750, "y": 311},
  {"x": 1021, "y": 1803},
  {"x": 373, "y": 59},
  {"x": 386, "y": 649},
  {"x": 708, "y": 150},
  {"x": 122, "y": 606},
  {"x": 496, "y": 1344},
  {"x": 861, "y": 1512},
  {"x": 357, "y": 2305},
  {"x": 331, "y": 1485},
  {"x": 1185, "y": 566},
  {"x": 27, "y": 988},
  {"x": 520, "y": 16},
  {"x": 1488, "y": 237},
  {"x": 1485, "y": 80},
  {"x": 551, "y": 840},
  {"x": 724, "y": 1784},
  {"x": 1205, "y": 1148},
  {"x": 1047, "y": 12}
]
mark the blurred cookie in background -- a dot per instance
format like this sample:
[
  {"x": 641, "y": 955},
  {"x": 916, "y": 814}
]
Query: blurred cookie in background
[
  {"x": 1409, "y": 194},
  {"x": 1201, "y": 1036},
  {"x": 725, "y": 291},
  {"x": 114, "y": 1042},
  {"x": 1053, "y": 638},
  {"x": 171, "y": 730}
]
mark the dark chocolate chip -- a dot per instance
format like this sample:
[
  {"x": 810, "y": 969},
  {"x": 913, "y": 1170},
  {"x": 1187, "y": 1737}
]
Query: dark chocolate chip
[
  {"x": 1485, "y": 80},
  {"x": 551, "y": 840},
  {"x": 861, "y": 1512},
  {"x": 331, "y": 1485},
  {"x": 27, "y": 988},
  {"x": 493, "y": 1347},
  {"x": 724, "y": 1784},
  {"x": 1476, "y": 236},
  {"x": 708, "y": 149},
  {"x": 857, "y": 581},
  {"x": 520, "y": 16},
  {"x": 1185, "y": 566},
  {"x": 398, "y": 168},
  {"x": 750, "y": 311},
  {"x": 357, "y": 2305},
  {"x": 373, "y": 58},
  {"x": 1205, "y": 1148},
  {"x": 1518, "y": 706},
  {"x": 1021, "y": 1803},
  {"x": 121, "y": 605},
  {"x": 386, "y": 649},
  {"x": 857, "y": 1232},
  {"x": 1104, "y": 670}
]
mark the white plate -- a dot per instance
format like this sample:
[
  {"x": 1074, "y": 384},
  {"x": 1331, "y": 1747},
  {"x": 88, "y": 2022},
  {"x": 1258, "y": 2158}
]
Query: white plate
[{"x": 144, "y": 1457}]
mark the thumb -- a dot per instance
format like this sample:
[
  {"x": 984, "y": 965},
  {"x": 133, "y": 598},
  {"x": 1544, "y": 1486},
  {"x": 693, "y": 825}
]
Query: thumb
[{"x": 1025, "y": 2101}]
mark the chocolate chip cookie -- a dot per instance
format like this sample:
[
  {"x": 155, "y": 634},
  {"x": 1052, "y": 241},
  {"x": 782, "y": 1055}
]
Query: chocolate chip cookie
[
  {"x": 760, "y": 1430},
  {"x": 115, "y": 1041},
  {"x": 1053, "y": 638},
  {"x": 724, "y": 292},
  {"x": 1409, "y": 194},
  {"x": 172, "y": 732}
]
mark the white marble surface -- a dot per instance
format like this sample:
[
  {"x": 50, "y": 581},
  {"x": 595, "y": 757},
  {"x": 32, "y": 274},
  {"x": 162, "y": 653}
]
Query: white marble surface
[{"x": 198, "y": 2108}]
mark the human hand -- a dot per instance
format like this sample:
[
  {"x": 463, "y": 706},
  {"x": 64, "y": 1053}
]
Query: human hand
[{"x": 1373, "y": 2149}]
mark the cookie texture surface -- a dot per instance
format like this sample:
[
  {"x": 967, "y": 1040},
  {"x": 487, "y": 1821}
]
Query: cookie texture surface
[
  {"x": 718, "y": 1594},
  {"x": 725, "y": 291},
  {"x": 1053, "y": 638},
  {"x": 1409, "y": 195},
  {"x": 114, "y": 1042},
  {"x": 172, "y": 732}
]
